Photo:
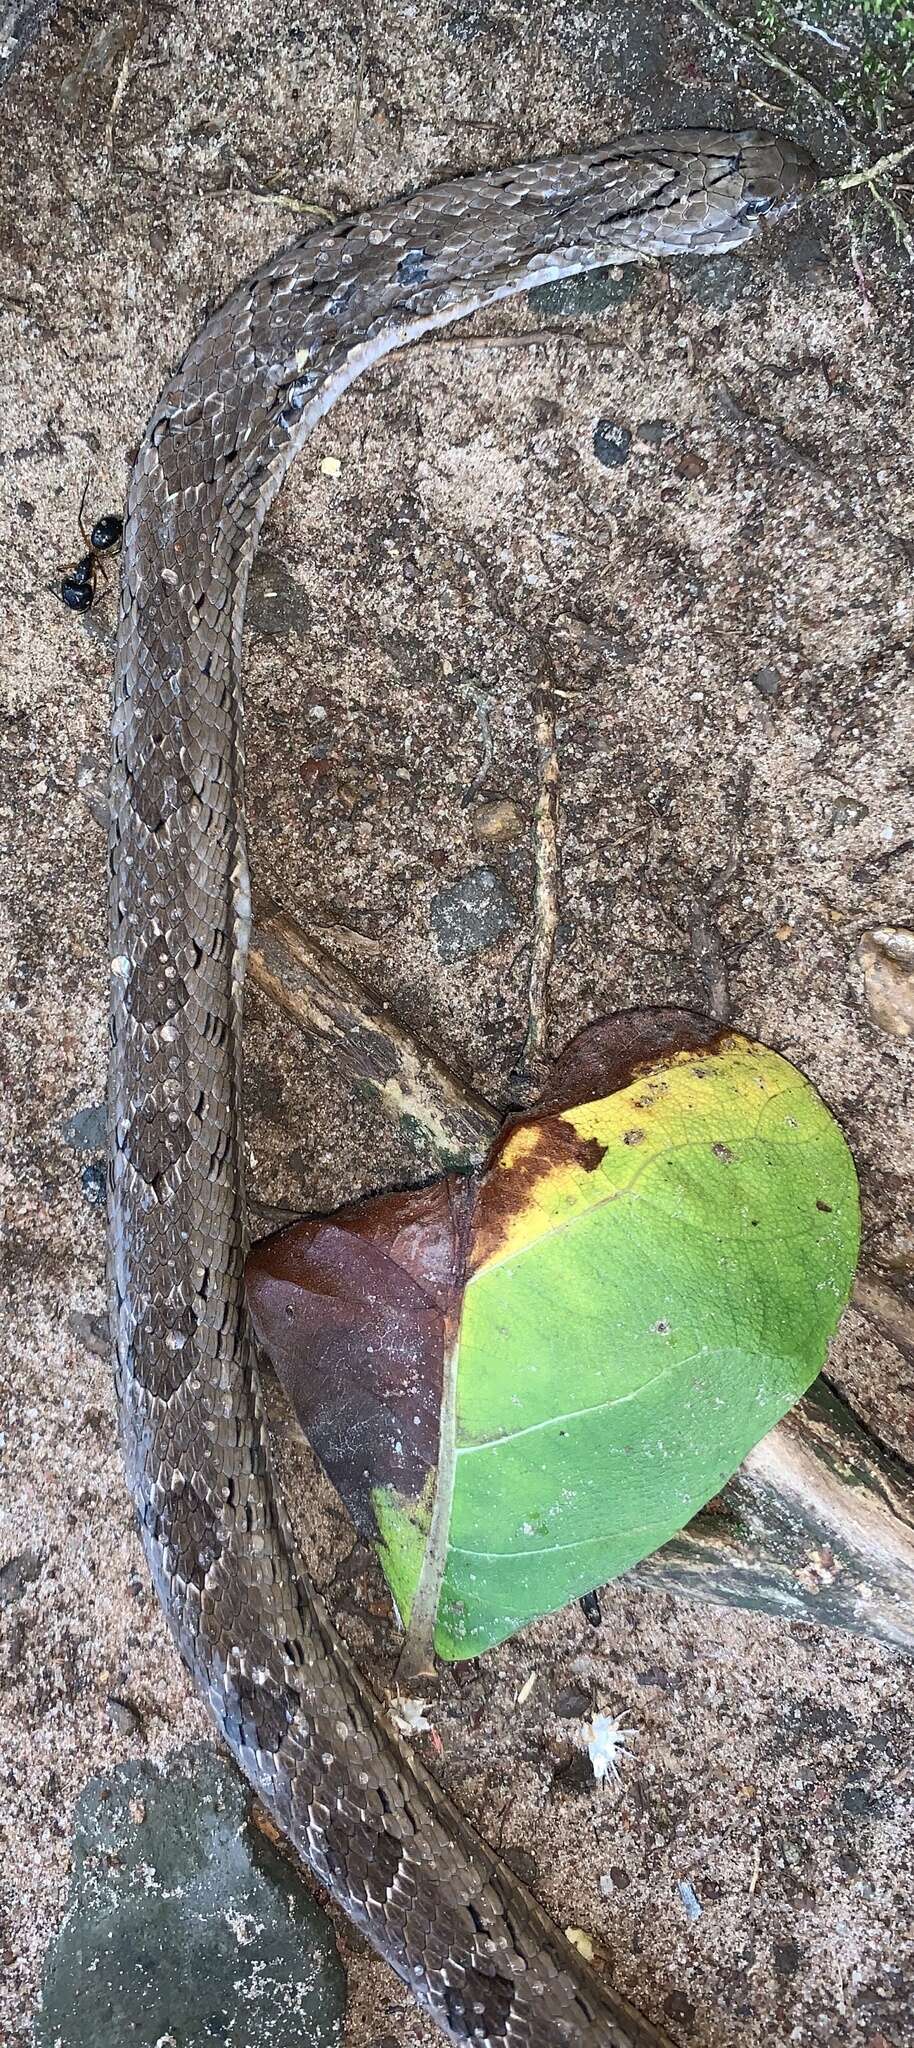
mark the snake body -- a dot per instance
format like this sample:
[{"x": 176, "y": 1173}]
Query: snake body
[{"x": 477, "y": 1950}]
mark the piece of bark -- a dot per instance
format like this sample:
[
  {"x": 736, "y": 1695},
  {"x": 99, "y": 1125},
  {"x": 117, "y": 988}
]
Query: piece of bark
[
  {"x": 395, "y": 1070},
  {"x": 21, "y": 22},
  {"x": 818, "y": 1524}
]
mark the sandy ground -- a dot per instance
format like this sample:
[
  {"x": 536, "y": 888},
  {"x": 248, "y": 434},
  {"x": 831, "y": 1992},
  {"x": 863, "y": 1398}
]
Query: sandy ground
[{"x": 728, "y": 612}]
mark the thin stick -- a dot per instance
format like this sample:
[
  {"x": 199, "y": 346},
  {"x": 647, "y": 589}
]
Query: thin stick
[
  {"x": 359, "y": 81},
  {"x": 903, "y": 232},
  {"x": 546, "y": 858},
  {"x": 286, "y": 200},
  {"x": 871, "y": 171},
  {"x": 121, "y": 87}
]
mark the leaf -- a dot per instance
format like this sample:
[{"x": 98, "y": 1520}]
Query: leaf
[{"x": 524, "y": 1382}]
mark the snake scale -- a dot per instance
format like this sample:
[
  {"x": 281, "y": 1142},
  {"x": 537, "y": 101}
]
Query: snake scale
[{"x": 478, "y": 1952}]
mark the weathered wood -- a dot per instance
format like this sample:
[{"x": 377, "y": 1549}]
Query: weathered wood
[
  {"x": 818, "y": 1524},
  {"x": 21, "y": 22},
  {"x": 394, "y": 1069}
]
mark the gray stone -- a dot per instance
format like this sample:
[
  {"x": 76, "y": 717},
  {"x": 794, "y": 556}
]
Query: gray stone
[
  {"x": 594, "y": 291},
  {"x": 85, "y": 1130},
  {"x": 123, "y": 1717},
  {"x": 17, "y": 1574},
  {"x": 611, "y": 443},
  {"x": 92, "y": 1182},
  {"x": 654, "y": 432},
  {"x": 715, "y": 281},
  {"x": 767, "y": 682},
  {"x": 183, "y": 1925},
  {"x": 470, "y": 915},
  {"x": 847, "y": 812},
  {"x": 92, "y": 1331}
]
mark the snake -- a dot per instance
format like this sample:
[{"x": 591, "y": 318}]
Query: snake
[{"x": 317, "y": 1746}]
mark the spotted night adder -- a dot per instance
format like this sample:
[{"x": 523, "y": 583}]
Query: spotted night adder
[{"x": 478, "y": 1952}]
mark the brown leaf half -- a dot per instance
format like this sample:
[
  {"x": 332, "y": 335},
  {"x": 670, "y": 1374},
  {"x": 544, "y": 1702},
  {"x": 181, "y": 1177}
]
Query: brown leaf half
[{"x": 351, "y": 1309}]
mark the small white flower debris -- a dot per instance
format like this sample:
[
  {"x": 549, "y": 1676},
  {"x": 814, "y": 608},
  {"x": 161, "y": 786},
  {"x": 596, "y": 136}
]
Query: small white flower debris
[
  {"x": 526, "y": 1690},
  {"x": 607, "y": 1742},
  {"x": 331, "y": 465},
  {"x": 409, "y": 1716}
]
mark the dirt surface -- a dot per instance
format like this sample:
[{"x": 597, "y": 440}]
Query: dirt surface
[{"x": 697, "y": 500}]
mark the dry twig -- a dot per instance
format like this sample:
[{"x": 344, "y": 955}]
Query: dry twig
[{"x": 546, "y": 859}]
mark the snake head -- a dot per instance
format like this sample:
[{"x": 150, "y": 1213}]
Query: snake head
[{"x": 776, "y": 175}]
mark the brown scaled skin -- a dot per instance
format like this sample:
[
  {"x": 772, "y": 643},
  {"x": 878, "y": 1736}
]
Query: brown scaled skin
[{"x": 479, "y": 1953}]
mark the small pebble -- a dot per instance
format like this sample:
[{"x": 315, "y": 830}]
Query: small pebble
[
  {"x": 17, "y": 1574},
  {"x": 847, "y": 812},
  {"x": 92, "y": 1331},
  {"x": 653, "y": 433},
  {"x": 690, "y": 1902},
  {"x": 85, "y": 1129},
  {"x": 498, "y": 823},
  {"x": 611, "y": 443},
  {"x": 767, "y": 682},
  {"x": 123, "y": 1717},
  {"x": 92, "y": 1182},
  {"x": 887, "y": 958},
  {"x": 470, "y": 915}
]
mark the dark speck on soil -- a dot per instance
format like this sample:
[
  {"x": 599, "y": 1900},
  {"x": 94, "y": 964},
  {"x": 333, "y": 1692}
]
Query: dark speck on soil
[
  {"x": 123, "y": 1717},
  {"x": 786, "y": 1957},
  {"x": 573, "y": 1704},
  {"x": 805, "y": 259},
  {"x": 276, "y": 603},
  {"x": 679, "y": 2008},
  {"x": 576, "y": 1775}
]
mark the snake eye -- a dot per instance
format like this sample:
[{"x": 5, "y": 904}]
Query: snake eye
[{"x": 752, "y": 208}]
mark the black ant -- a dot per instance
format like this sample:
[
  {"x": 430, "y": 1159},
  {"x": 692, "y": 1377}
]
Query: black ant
[{"x": 78, "y": 586}]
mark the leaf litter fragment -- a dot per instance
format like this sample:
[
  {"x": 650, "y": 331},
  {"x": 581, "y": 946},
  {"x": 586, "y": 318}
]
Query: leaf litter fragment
[{"x": 524, "y": 1380}]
